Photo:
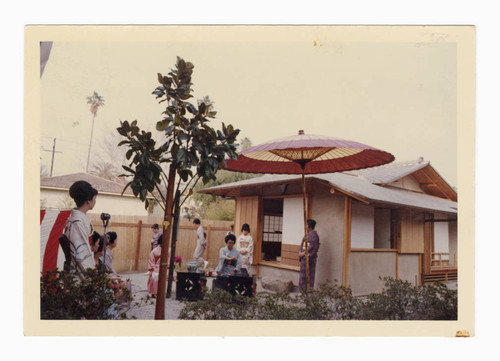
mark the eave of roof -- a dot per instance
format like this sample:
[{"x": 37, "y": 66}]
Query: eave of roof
[{"x": 354, "y": 186}]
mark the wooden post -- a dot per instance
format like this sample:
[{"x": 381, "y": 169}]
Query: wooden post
[
  {"x": 347, "y": 240},
  {"x": 162, "y": 280},
  {"x": 138, "y": 245},
  {"x": 306, "y": 243}
]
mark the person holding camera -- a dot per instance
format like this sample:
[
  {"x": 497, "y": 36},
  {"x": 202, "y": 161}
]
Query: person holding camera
[{"x": 78, "y": 228}]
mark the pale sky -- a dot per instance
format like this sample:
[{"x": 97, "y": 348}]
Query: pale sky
[{"x": 400, "y": 96}]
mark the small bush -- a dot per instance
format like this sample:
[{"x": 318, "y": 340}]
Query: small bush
[
  {"x": 67, "y": 297},
  {"x": 399, "y": 300}
]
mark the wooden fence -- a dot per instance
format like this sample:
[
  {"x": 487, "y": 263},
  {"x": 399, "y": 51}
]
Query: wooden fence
[{"x": 134, "y": 240}]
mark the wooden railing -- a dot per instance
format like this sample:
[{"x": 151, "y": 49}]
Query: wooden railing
[{"x": 443, "y": 260}]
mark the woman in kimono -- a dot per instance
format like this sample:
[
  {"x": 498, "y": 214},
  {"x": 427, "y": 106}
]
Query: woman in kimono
[
  {"x": 108, "y": 260},
  {"x": 245, "y": 245},
  {"x": 229, "y": 258},
  {"x": 78, "y": 228},
  {"x": 154, "y": 268},
  {"x": 121, "y": 282}
]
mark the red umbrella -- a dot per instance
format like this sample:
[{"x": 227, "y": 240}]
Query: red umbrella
[{"x": 307, "y": 154}]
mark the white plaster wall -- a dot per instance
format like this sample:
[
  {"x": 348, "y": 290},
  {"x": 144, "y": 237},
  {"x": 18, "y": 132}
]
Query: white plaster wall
[
  {"x": 365, "y": 268},
  {"x": 362, "y": 227},
  {"x": 441, "y": 237},
  {"x": 328, "y": 211},
  {"x": 293, "y": 221},
  {"x": 126, "y": 206},
  {"x": 408, "y": 182},
  {"x": 408, "y": 268}
]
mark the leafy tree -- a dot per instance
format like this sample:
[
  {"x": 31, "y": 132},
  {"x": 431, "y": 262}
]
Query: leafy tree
[
  {"x": 221, "y": 210},
  {"x": 207, "y": 201},
  {"x": 105, "y": 170},
  {"x": 245, "y": 144},
  {"x": 95, "y": 101},
  {"x": 43, "y": 171},
  {"x": 212, "y": 206},
  {"x": 66, "y": 202},
  {"x": 191, "y": 149},
  {"x": 107, "y": 157}
]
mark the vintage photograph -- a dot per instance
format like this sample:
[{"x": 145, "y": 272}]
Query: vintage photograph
[{"x": 252, "y": 173}]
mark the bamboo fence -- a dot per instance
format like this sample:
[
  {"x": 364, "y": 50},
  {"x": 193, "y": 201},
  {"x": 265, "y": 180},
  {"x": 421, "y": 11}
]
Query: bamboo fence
[{"x": 135, "y": 234}]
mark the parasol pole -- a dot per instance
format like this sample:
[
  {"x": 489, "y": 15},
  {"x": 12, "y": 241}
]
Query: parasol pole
[{"x": 306, "y": 241}]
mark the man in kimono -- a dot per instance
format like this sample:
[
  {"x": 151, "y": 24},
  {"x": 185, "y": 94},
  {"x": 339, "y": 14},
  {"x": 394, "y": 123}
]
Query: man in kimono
[{"x": 313, "y": 246}]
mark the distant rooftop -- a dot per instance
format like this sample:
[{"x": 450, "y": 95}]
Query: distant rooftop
[{"x": 101, "y": 184}]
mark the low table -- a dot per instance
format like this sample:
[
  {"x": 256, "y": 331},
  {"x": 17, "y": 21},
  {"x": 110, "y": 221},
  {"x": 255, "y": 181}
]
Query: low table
[
  {"x": 235, "y": 285},
  {"x": 189, "y": 286}
]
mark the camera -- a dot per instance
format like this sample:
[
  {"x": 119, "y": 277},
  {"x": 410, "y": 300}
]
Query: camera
[{"x": 105, "y": 216}]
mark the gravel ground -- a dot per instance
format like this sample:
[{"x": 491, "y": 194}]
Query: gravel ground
[
  {"x": 172, "y": 306},
  {"x": 147, "y": 312}
]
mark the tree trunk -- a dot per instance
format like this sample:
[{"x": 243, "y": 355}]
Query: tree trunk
[
  {"x": 162, "y": 280},
  {"x": 90, "y": 144},
  {"x": 174, "y": 242}
]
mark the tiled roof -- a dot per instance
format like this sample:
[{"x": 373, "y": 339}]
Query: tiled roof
[
  {"x": 358, "y": 186},
  {"x": 391, "y": 172},
  {"x": 101, "y": 184}
]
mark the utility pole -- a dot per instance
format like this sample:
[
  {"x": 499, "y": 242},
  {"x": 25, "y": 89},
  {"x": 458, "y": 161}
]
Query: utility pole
[{"x": 53, "y": 152}]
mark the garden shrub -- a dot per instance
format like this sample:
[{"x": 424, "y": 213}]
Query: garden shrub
[
  {"x": 399, "y": 300},
  {"x": 63, "y": 296}
]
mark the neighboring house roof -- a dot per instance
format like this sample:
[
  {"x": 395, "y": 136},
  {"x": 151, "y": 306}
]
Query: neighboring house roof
[
  {"x": 102, "y": 185},
  {"x": 357, "y": 186}
]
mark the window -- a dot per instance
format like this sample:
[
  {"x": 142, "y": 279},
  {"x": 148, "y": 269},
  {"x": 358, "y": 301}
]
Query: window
[
  {"x": 272, "y": 232},
  {"x": 384, "y": 229}
]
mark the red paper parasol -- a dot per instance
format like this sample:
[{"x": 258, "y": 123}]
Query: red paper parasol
[{"x": 307, "y": 154}]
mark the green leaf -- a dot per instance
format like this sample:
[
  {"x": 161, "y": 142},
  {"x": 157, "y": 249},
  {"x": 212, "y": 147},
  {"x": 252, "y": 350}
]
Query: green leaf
[
  {"x": 183, "y": 137},
  {"x": 128, "y": 169},
  {"x": 191, "y": 108},
  {"x": 202, "y": 108}
]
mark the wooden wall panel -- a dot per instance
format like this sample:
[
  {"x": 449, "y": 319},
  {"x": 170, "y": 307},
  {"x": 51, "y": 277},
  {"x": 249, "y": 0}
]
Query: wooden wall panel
[
  {"x": 289, "y": 254},
  {"x": 248, "y": 211},
  {"x": 412, "y": 232}
]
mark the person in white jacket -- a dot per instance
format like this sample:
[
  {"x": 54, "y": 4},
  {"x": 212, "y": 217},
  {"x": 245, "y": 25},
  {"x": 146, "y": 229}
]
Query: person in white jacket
[{"x": 78, "y": 228}]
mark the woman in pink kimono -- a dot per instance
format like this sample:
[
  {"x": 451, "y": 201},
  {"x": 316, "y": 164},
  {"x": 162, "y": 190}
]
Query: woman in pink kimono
[{"x": 154, "y": 269}]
